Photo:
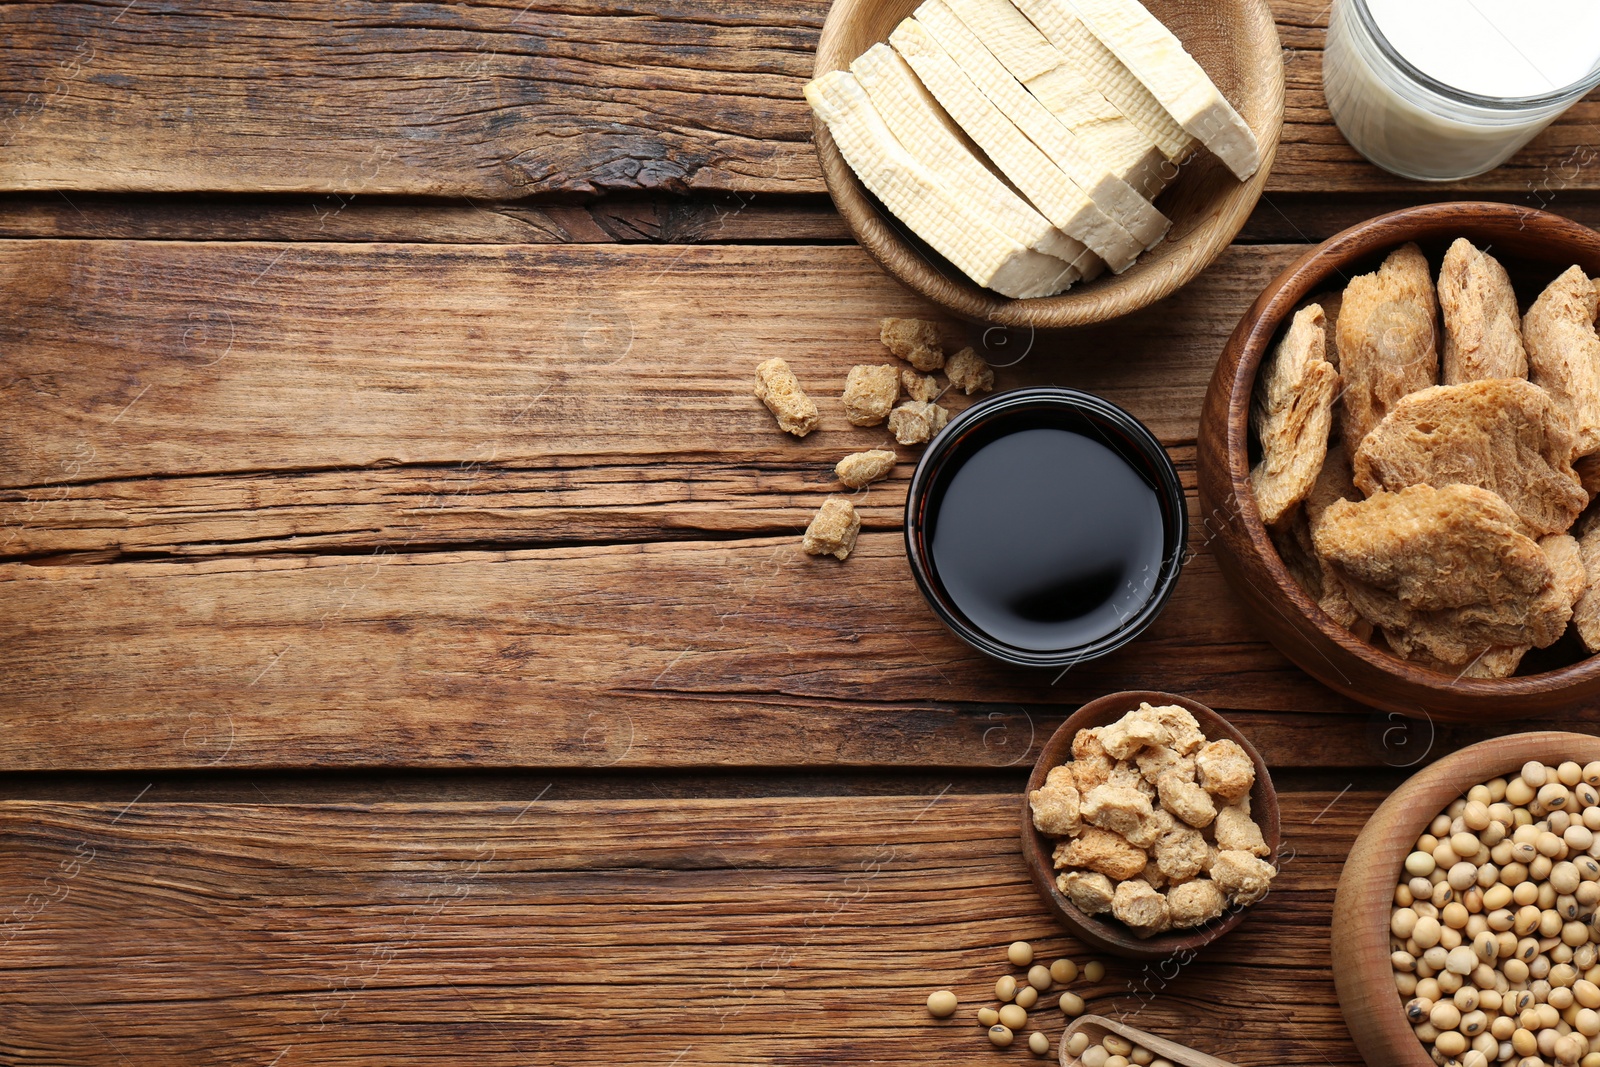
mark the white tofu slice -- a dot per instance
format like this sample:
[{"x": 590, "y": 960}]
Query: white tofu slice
[
  {"x": 925, "y": 131},
  {"x": 1150, "y": 51},
  {"x": 1091, "y": 174},
  {"x": 1063, "y": 87},
  {"x": 1060, "y": 23},
  {"x": 923, "y": 202},
  {"x": 1053, "y": 192}
]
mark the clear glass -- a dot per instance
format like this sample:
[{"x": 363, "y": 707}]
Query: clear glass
[{"x": 1413, "y": 125}]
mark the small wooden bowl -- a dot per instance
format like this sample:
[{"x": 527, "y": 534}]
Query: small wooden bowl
[
  {"x": 1360, "y": 931},
  {"x": 1108, "y": 934},
  {"x": 1534, "y": 246},
  {"x": 1236, "y": 41},
  {"x": 1097, "y": 1027}
]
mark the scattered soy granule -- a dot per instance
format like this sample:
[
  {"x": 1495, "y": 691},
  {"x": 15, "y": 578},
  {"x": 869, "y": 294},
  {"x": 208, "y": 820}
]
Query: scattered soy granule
[
  {"x": 833, "y": 529},
  {"x": 914, "y": 340},
  {"x": 863, "y": 468},
  {"x": 869, "y": 393},
  {"x": 916, "y": 421},
  {"x": 968, "y": 372},
  {"x": 919, "y": 386},
  {"x": 779, "y": 389}
]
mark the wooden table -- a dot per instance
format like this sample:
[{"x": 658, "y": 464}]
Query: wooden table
[{"x": 406, "y": 653}]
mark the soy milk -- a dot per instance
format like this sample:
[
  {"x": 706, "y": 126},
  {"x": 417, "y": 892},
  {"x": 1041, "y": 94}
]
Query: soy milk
[{"x": 1445, "y": 89}]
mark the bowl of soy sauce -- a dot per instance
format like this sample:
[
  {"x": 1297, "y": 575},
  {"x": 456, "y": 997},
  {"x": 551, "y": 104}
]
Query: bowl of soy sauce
[{"x": 1046, "y": 526}]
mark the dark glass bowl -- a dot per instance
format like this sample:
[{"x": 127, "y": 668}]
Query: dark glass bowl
[{"x": 1026, "y": 409}]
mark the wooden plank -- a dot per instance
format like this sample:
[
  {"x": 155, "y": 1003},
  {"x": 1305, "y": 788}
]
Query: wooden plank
[
  {"x": 145, "y": 360},
  {"x": 702, "y": 653},
  {"x": 1285, "y": 218},
  {"x": 672, "y": 655},
  {"x": 495, "y": 99},
  {"x": 707, "y": 932},
  {"x": 699, "y": 219}
]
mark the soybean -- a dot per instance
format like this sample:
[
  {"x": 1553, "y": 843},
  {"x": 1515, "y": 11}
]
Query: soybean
[
  {"x": 1038, "y": 1044},
  {"x": 1020, "y": 953},
  {"x": 942, "y": 1004},
  {"x": 1013, "y": 1016},
  {"x": 999, "y": 1036}
]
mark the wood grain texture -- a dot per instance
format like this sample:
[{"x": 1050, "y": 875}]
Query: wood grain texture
[
  {"x": 498, "y": 99},
  {"x": 716, "y": 932},
  {"x": 160, "y": 395},
  {"x": 741, "y": 653}
]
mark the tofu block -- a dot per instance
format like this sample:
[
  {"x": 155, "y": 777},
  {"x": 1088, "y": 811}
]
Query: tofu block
[
  {"x": 1158, "y": 59},
  {"x": 924, "y": 199}
]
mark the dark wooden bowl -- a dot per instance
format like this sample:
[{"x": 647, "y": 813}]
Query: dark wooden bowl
[
  {"x": 1236, "y": 41},
  {"x": 1535, "y": 246},
  {"x": 1360, "y": 931},
  {"x": 1109, "y": 935}
]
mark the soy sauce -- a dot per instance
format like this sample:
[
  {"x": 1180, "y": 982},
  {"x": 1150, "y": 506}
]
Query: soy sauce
[{"x": 1047, "y": 538}]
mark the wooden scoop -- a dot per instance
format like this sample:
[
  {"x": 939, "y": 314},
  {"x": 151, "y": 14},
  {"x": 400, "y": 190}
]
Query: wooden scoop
[{"x": 1097, "y": 1027}]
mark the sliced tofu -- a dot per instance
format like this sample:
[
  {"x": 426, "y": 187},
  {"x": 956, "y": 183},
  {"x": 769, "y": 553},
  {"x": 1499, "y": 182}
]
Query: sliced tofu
[
  {"x": 929, "y": 135},
  {"x": 1091, "y": 174},
  {"x": 1157, "y": 58},
  {"x": 1050, "y": 190},
  {"x": 1057, "y": 20},
  {"x": 921, "y": 199},
  {"x": 1066, "y": 90}
]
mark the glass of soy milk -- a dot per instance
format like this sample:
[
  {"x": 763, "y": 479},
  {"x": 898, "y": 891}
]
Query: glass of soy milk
[{"x": 1438, "y": 90}]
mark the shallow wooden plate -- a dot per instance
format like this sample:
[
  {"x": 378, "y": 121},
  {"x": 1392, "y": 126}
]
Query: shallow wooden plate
[
  {"x": 1110, "y": 935},
  {"x": 1097, "y": 1026},
  {"x": 1236, "y": 41},
  {"x": 1362, "y": 973},
  {"x": 1535, "y": 246}
]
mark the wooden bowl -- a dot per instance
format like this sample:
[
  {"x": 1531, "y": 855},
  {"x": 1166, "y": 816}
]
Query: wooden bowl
[
  {"x": 1236, "y": 41},
  {"x": 1360, "y": 931},
  {"x": 1108, "y": 934},
  {"x": 1097, "y": 1027},
  {"x": 1535, "y": 246}
]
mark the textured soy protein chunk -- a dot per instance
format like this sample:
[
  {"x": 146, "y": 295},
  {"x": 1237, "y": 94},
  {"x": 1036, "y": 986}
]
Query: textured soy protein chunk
[
  {"x": 870, "y": 393},
  {"x": 968, "y": 372},
  {"x": 833, "y": 530},
  {"x": 1387, "y": 341},
  {"x": 1482, "y": 330},
  {"x": 863, "y": 468},
  {"x": 779, "y": 389},
  {"x": 919, "y": 386},
  {"x": 915, "y": 422},
  {"x": 1292, "y": 415},
  {"x": 914, "y": 340}
]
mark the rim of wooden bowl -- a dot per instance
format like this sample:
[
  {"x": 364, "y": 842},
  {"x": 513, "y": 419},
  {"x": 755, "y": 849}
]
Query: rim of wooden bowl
[
  {"x": 1108, "y": 935},
  {"x": 1296, "y": 621},
  {"x": 1360, "y": 930},
  {"x": 1158, "y": 272}
]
